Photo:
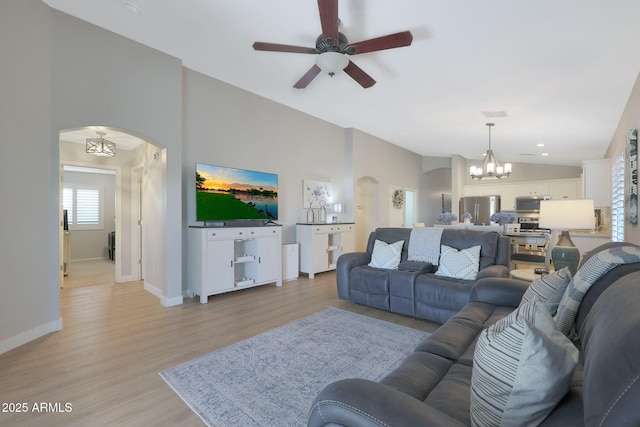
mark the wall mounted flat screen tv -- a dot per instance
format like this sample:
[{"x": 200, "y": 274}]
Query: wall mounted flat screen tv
[{"x": 229, "y": 194}]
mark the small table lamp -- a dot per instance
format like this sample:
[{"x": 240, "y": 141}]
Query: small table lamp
[{"x": 562, "y": 216}]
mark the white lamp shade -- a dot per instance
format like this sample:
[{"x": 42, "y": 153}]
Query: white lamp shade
[{"x": 567, "y": 214}]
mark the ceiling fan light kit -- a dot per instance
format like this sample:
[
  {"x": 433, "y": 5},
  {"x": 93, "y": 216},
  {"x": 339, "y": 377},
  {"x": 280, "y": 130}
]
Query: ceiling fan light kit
[
  {"x": 332, "y": 62},
  {"x": 490, "y": 168},
  {"x": 332, "y": 48}
]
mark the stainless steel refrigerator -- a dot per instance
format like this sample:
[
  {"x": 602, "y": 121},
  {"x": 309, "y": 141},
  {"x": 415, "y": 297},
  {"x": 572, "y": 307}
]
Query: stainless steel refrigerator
[{"x": 480, "y": 207}]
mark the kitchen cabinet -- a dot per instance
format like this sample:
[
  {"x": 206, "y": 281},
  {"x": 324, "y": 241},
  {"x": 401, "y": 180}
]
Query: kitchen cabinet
[
  {"x": 558, "y": 189},
  {"x": 534, "y": 188}
]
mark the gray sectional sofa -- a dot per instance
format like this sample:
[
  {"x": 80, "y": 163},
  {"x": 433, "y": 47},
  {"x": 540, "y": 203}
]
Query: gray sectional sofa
[
  {"x": 413, "y": 288},
  {"x": 432, "y": 387}
]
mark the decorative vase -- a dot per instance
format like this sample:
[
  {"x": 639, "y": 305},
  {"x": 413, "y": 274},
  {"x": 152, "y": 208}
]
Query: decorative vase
[
  {"x": 310, "y": 215},
  {"x": 322, "y": 214}
]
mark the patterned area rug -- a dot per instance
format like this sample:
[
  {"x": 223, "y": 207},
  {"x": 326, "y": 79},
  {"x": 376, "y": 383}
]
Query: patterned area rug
[{"x": 272, "y": 379}]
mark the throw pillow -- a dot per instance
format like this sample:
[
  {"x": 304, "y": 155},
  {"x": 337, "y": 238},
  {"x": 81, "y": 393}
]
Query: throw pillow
[
  {"x": 386, "y": 255},
  {"x": 522, "y": 367},
  {"x": 549, "y": 289},
  {"x": 463, "y": 264}
]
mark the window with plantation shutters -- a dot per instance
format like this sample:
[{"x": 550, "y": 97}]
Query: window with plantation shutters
[
  {"x": 84, "y": 207},
  {"x": 617, "y": 199}
]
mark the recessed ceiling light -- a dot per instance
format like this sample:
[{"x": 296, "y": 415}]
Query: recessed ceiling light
[
  {"x": 539, "y": 145},
  {"x": 131, "y": 7},
  {"x": 545, "y": 154}
]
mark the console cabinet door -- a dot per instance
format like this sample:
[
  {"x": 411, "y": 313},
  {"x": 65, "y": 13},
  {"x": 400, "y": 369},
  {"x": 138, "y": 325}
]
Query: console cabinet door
[
  {"x": 267, "y": 261},
  {"x": 220, "y": 266}
]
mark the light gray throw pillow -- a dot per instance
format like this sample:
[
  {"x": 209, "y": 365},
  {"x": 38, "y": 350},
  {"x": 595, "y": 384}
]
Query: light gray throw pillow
[
  {"x": 386, "y": 255},
  {"x": 522, "y": 367},
  {"x": 459, "y": 264}
]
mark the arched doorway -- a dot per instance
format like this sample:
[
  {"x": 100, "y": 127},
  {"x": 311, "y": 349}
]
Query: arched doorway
[{"x": 135, "y": 162}]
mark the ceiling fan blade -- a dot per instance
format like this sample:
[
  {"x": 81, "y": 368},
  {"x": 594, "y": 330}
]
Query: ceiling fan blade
[
  {"x": 381, "y": 43},
  {"x": 358, "y": 75},
  {"x": 274, "y": 47},
  {"x": 306, "y": 79},
  {"x": 329, "y": 18}
]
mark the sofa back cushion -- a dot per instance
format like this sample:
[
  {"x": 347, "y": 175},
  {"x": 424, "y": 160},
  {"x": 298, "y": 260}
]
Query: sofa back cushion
[
  {"x": 610, "y": 348},
  {"x": 495, "y": 248},
  {"x": 390, "y": 235},
  {"x": 463, "y": 239}
]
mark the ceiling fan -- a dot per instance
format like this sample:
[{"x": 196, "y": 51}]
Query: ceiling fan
[{"x": 332, "y": 48}]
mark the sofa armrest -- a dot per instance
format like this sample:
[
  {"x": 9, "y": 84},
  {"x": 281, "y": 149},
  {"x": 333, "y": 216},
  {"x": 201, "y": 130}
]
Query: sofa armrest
[
  {"x": 497, "y": 270},
  {"x": 359, "y": 402},
  {"x": 498, "y": 291},
  {"x": 344, "y": 265}
]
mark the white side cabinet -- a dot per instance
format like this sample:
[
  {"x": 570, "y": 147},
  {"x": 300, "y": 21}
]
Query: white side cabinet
[
  {"x": 226, "y": 259},
  {"x": 322, "y": 244}
]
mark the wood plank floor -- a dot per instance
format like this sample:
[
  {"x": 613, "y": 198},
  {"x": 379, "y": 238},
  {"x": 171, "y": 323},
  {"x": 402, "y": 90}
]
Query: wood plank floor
[{"x": 117, "y": 338}]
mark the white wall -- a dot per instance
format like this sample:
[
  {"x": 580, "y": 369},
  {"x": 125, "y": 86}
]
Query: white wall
[{"x": 228, "y": 126}]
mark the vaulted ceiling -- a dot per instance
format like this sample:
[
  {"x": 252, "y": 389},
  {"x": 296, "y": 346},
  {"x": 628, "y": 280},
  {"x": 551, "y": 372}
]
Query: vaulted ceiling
[{"x": 552, "y": 72}]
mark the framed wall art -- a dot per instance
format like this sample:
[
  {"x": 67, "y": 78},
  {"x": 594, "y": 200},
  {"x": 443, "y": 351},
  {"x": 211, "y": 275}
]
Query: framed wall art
[{"x": 315, "y": 194}]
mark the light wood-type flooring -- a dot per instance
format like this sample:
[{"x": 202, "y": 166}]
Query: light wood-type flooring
[{"x": 102, "y": 368}]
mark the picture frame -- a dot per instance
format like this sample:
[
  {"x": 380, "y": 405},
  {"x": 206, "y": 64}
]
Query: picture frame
[{"x": 315, "y": 194}]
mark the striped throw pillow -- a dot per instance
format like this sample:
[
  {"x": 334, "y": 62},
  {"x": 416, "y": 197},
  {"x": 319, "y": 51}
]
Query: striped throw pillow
[
  {"x": 549, "y": 289},
  {"x": 522, "y": 367}
]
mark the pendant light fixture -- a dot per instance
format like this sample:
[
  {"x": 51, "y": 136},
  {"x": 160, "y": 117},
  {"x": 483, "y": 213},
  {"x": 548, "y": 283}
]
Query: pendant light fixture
[
  {"x": 100, "y": 146},
  {"x": 490, "y": 168}
]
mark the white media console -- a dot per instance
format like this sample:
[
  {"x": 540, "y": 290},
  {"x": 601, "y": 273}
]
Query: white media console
[{"x": 225, "y": 259}]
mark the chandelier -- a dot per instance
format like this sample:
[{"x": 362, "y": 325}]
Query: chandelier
[
  {"x": 490, "y": 168},
  {"x": 100, "y": 146}
]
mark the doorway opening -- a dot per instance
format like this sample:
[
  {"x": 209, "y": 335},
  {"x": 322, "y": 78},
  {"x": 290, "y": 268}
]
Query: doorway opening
[{"x": 101, "y": 208}]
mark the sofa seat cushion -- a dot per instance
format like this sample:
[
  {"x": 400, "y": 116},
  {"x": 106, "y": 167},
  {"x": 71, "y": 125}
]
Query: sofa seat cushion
[
  {"x": 370, "y": 286},
  {"x": 451, "y": 395},
  {"x": 418, "y": 374},
  {"x": 438, "y": 298}
]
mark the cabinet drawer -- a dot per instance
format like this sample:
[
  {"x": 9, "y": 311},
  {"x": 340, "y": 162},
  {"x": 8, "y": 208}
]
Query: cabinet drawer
[
  {"x": 241, "y": 233},
  {"x": 331, "y": 228}
]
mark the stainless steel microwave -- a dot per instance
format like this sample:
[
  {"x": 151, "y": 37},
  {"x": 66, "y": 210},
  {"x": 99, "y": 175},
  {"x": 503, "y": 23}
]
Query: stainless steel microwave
[{"x": 530, "y": 204}]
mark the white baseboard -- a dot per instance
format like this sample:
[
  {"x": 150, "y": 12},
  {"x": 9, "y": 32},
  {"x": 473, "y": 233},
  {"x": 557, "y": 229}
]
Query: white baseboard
[
  {"x": 167, "y": 302},
  {"x": 170, "y": 302},
  {"x": 30, "y": 335},
  {"x": 152, "y": 289}
]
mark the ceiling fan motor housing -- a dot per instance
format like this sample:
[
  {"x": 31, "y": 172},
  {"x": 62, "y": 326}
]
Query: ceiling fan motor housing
[{"x": 330, "y": 45}]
